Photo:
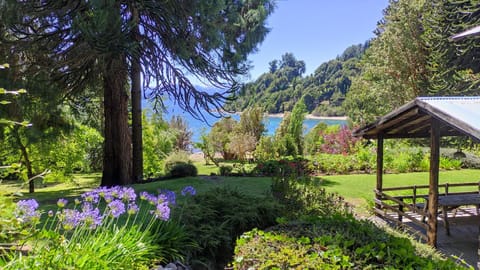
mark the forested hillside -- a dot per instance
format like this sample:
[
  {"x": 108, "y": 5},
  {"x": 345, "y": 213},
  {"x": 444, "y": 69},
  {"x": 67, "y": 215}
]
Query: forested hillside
[
  {"x": 412, "y": 55},
  {"x": 283, "y": 85}
]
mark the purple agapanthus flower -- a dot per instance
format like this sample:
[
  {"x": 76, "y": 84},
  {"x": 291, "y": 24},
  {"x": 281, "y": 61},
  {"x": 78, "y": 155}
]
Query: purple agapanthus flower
[
  {"x": 144, "y": 195},
  {"x": 27, "y": 210},
  {"x": 91, "y": 196},
  {"x": 62, "y": 202},
  {"x": 91, "y": 216},
  {"x": 101, "y": 191},
  {"x": 152, "y": 199},
  {"x": 189, "y": 190},
  {"x": 108, "y": 197},
  {"x": 162, "y": 211},
  {"x": 170, "y": 196},
  {"x": 128, "y": 194},
  {"x": 117, "y": 207},
  {"x": 132, "y": 208},
  {"x": 70, "y": 218}
]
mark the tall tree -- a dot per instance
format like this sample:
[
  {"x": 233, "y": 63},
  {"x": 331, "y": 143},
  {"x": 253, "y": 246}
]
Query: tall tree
[
  {"x": 295, "y": 127},
  {"x": 87, "y": 41},
  {"x": 454, "y": 65},
  {"x": 136, "y": 94},
  {"x": 394, "y": 66},
  {"x": 289, "y": 135}
]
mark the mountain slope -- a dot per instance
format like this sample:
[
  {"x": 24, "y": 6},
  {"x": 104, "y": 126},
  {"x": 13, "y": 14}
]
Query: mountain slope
[{"x": 283, "y": 85}]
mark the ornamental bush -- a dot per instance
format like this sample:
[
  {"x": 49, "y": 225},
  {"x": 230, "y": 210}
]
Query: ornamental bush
[
  {"x": 283, "y": 167},
  {"x": 178, "y": 164},
  {"x": 304, "y": 196},
  {"x": 181, "y": 169},
  {"x": 215, "y": 219},
  {"x": 332, "y": 242}
]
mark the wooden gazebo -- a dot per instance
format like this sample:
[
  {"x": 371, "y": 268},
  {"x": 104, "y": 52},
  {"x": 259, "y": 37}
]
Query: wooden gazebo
[{"x": 426, "y": 117}]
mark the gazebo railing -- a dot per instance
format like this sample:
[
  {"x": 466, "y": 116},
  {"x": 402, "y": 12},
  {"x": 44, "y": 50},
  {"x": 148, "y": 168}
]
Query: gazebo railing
[{"x": 395, "y": 204}]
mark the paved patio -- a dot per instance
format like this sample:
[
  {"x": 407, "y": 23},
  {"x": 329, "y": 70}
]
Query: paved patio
[{"x": 463, "y": 241}]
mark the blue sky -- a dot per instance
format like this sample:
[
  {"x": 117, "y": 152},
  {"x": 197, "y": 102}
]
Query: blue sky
[{"x": 316, "y": 31}]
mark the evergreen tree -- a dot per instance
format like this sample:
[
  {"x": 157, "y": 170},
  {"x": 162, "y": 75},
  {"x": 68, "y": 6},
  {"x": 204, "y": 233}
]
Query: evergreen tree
[
  {"x": 394, "y": 66},
  {"x": 454, "y": 66},
  {"x": 85, "y": 42},
  {"x": 289, "y": 135}
]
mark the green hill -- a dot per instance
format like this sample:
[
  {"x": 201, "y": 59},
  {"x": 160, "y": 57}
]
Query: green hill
[{"x": 283, "y": 85}]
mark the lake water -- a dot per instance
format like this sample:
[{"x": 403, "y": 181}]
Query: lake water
[{"x": 271, "y": 122}]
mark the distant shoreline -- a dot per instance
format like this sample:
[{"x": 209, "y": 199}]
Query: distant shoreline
[
  {"x": 311, "y": 116},
  {"x": 308, "y": 116}
]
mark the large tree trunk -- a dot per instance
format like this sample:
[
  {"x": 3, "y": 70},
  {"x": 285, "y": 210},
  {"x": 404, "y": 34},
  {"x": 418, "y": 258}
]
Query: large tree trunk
[
  {"x": 118, "y": 149},
  {"x": 137, "y": 142},
  {"x": 137, "y": 122}
]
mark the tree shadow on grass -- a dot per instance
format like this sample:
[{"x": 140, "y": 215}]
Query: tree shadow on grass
[
  {"x": 327, "y": 183},
  {"x": 50, "y": 192}
]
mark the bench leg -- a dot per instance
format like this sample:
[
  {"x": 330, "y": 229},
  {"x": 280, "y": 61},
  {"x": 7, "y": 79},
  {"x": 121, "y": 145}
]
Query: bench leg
[
  {"x": 425, "y": 208},
  {"x": 445, "y": 219}
]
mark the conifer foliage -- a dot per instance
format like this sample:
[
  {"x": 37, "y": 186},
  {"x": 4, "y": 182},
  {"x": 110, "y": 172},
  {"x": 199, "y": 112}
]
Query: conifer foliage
[{"x": 95, "y": 42}]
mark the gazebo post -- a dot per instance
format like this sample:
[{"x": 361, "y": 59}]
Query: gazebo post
[
  {"x": 433, "y": 186},
  {"x": 379, "y": 187}
]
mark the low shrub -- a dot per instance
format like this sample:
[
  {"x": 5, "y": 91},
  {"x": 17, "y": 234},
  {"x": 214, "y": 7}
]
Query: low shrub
[
  {"x": 450, "y": 164},
  {"x": 334, "y": 163},
  {"x": 180, "y": 169},
  {"x": 469, "y": 160},
  {"x": 285, "y": 167},
  {"x": 225, "y": 170},
  {"x": 331, "y": 242},
  {"x": 173, "y": 239},
  {"x": 305, "y": 196},
  {"x": 405, "y": 160},
  {"x": 174, "y": 158},
  {"x": 215, "y": 219},
  {"x": 178, "y": 164}
]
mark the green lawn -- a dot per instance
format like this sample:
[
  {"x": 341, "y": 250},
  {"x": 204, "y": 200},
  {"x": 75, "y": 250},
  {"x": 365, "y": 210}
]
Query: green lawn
[
  {"x": 359, "y": 187},
  {"x": 356, "y": 188},
  {"x": 51, "y": 192}
]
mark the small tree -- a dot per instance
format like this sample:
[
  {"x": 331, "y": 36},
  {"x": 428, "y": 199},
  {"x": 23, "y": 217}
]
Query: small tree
[
  {"x": 242, "y": 143},
  {"x": 208, "y": 150},
  {"x": 251, "y": 122},
  {"x": 220, "y": 136},
  {"x": 289, "y": 135},
  {"x": 183, "y": 133},
  {"x": 158, "y": 142}
]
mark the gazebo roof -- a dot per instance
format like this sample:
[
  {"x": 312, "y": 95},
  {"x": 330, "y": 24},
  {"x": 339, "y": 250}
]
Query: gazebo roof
[{"x": 458, "y": 116}]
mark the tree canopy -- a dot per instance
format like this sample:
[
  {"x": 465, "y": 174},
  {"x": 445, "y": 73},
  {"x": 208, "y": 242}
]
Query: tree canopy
[
  {"x": 413, "y": 55},
  {"x": 80, "y": 43}
]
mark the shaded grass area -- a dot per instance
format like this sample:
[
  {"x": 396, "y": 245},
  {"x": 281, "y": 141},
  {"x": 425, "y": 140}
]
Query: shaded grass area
[
  {"x": 255, "y": 186},
  {"x": 51, "y": 192}
]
